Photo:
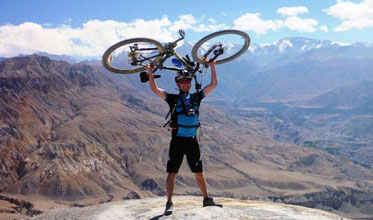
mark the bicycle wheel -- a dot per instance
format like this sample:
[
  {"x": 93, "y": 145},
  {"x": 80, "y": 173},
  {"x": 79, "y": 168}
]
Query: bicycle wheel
[
  {"x": 234, "y": 43},
  {"x": 120, "y": 58}
]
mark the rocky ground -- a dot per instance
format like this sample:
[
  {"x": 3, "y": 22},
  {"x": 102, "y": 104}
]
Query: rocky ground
[{"x": 187, "y": 207}]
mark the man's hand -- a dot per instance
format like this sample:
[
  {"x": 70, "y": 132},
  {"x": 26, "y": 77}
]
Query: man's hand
[
  {"x": 149, "y": 68},
  {"x": 210, "y": 63},
  {"x": 214, "y": 78},
  {"x": 153, "y": 85}
]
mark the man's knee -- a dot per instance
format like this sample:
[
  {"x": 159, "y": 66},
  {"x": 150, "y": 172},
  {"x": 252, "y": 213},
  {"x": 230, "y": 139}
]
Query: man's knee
[
  {"x": 199, "y": 174},
  {"x": 171, "y": 177}
]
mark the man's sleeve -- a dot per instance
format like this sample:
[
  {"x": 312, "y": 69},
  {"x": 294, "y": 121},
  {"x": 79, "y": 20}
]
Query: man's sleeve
[
  {"x": 170, "y": 99},
  {"x": 166, "y": 98},
  {"x": 200, "y": 96}
]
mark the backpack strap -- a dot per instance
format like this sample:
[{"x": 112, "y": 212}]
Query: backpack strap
[
  {"x": 172, "y": 112},
  {"x": 193, "y": 102}
]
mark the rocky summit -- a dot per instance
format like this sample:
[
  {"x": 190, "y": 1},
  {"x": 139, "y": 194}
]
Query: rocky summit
[
  {"x": 76, "y": 132},
  {"x": 189, "y": 208}
]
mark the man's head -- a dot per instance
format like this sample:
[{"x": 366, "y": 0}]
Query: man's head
[{"x": 183, "y": 80}]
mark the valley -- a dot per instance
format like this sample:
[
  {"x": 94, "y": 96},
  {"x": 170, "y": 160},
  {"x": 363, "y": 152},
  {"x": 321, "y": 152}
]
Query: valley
[{"x": 74, "y": 132}]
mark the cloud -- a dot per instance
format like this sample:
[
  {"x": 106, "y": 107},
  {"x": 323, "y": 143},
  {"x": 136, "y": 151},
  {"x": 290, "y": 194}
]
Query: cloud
[
  {"x": 324, "y": 28},
  {"x": 253, "y": 22},
  {"x": 299, "y": 24},
  {"x": 292, "y": 11},
  {"x": 185, "y": 22},
  {"x": 353, "y": 15},
  {"x": 89, "y": 40},
  {"x": 189, "y": 22},
  {"x": 30, "y": 37},
  {"x": 294, "y": 22},
  {"x": 93, "y": 37},
  {"x": 209, "y": 27}
]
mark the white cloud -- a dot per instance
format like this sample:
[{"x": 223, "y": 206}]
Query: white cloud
[
  {"x": 209, "y": 27},
  {"x": 324, "y": 28},
  {"x": 253, "y": 22},
  {"x": 353, "y": 15},
  {"x": 212, "y": 21},
  {"x": 188, "y": 22},
  {"x": 30, "y": 37},
  {"x": 89, "y": 40},
  {"x": 299, "y": 24},
  {"x": 294, "y": 22},
  {"x": 185, "y": 22},
  {"x": 93, "y": 37},
  {"x": 292, "y": 11}
]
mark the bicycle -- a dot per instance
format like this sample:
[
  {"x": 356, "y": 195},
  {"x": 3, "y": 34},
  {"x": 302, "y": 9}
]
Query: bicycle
[{"x": 132, "y": 55}]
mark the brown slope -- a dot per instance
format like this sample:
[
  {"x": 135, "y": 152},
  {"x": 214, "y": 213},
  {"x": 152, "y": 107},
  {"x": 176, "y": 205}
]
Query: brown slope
[{"x": 57, "y": 124}]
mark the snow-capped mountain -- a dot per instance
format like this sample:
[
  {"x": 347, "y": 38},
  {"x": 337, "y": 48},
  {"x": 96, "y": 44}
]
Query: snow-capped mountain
[
  {"x": 286, "y": 45},
  {"x": 301, "y": 45}
]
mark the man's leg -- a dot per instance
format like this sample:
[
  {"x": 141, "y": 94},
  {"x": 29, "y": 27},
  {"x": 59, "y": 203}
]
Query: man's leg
[
  {"x": 175, "y": 158},
  {"x": 170, "y": 183},
  {"x": 201, "y": 182},
  {"x": 207, "y": 201}
]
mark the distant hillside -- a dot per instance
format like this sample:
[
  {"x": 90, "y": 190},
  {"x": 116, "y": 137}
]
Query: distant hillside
[
  {"x": 359, "y": 96},
  {"x": 66, "y": 58},
  {"x": 339, "y": 122},
  {"x": 357, "y": 50},
  {"x": 303, "y": 79}
]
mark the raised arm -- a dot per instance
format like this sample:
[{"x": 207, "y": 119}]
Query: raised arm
[
  {"x": 153, "y": 85},
  {"x": 214, "y": 79}
]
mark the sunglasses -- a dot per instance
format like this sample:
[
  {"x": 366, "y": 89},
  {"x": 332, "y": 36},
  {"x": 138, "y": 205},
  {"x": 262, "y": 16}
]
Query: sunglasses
[{"x": 184, "y": 81}]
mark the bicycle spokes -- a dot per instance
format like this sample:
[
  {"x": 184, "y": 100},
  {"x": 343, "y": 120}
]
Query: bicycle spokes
[
  {"x": 222, "y": 46},
  {"x": 132, "y": 55},
  {"x": 217, "y": 47},
  {"x": 213, "y": 53}
]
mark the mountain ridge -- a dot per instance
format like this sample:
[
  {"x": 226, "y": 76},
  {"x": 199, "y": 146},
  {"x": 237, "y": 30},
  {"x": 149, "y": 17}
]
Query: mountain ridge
[{"x": 75, "y": 131}]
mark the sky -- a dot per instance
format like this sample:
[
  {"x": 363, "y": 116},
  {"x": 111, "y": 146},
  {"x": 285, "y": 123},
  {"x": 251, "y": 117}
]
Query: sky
[{"x": 86, "y": 28}]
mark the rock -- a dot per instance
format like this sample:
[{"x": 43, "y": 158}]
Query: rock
[{"x": 132, "y": 195}]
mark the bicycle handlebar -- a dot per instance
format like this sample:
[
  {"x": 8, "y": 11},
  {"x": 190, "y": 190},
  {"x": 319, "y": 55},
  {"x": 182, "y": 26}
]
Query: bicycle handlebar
[{"x": 193, "y": 67}]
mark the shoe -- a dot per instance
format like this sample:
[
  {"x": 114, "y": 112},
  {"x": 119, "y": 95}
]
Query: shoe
[
  {"x": 210, "y": 202},
  {"x": 169, "y": 208}
]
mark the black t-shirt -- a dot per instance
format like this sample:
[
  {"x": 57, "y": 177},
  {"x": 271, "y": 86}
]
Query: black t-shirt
[{"x": 186, "y": 124}]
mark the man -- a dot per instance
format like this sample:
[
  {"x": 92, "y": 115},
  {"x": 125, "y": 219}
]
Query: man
[{"x": 184, "y": 108}]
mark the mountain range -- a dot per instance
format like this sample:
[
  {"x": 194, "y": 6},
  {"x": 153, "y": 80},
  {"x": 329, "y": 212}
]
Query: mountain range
[
  {"x": 289, "y": 122},
  {"x": 319, "y": 89}
]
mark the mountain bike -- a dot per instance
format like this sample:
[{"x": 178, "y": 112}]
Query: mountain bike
[{"x": 132, "y": 55}]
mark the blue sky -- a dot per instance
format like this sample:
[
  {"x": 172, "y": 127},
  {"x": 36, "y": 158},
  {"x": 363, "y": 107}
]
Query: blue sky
[{"x": 88, "y": 27}]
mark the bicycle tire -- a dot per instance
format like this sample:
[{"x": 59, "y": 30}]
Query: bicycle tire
[
  {"x": 198, "y": 47},
  {"x": 127, "y": 68}
]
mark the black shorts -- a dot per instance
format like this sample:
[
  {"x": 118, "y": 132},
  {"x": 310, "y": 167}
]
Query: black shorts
[{"x": 180, "y": 146}]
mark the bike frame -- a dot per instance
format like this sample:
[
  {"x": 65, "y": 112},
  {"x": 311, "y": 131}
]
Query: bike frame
[
  {"x": 137, "y": 59},
  {"x": 170, "y": 51}
]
